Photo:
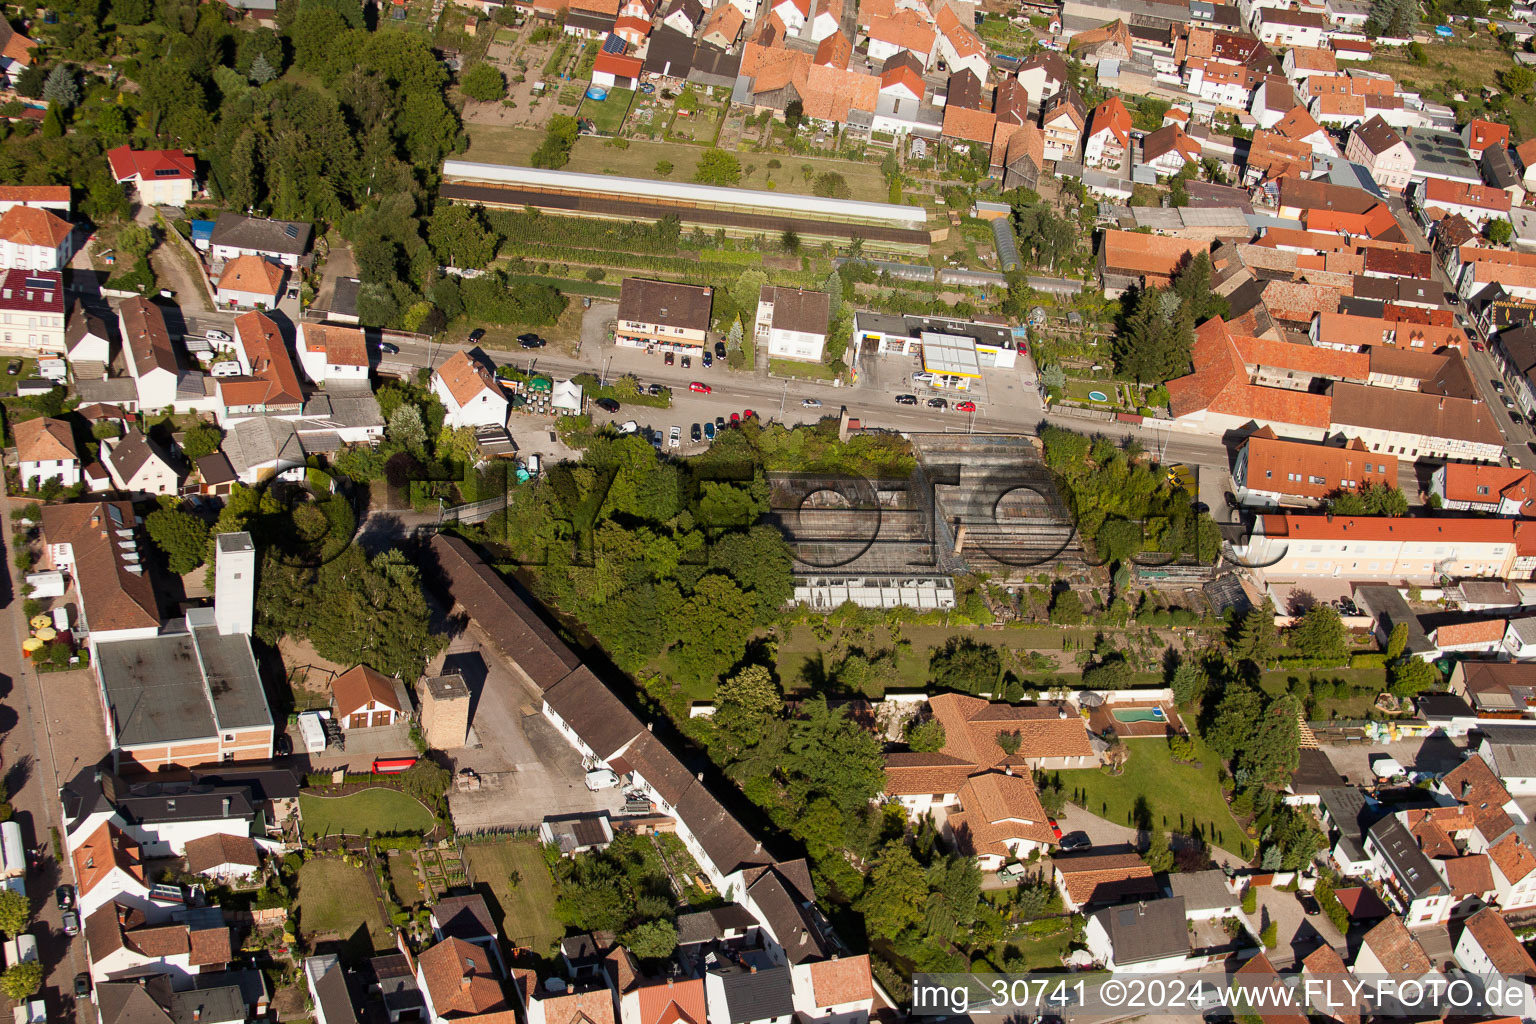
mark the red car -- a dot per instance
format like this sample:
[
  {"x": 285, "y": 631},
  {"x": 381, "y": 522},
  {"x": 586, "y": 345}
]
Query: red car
[
  {"x": 699, "y": 389},
  {"x": 1055, "y": 828},
  {"x": 1478, "y": 346},
  {"x": 966, "y": 407},
  {"x": 748, "y": 414},
  {"x": 735, "y": 417}
]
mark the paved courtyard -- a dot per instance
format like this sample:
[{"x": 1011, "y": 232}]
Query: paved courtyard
[
  {"x": 526, "y": 769},
  {"x": 1296, "y": 933},
  {"x": 1432, "y": 754}
]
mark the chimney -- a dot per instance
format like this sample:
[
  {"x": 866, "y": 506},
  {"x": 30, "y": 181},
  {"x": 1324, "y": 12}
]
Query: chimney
[
  {"x": 805, "y": 936},
  {"x": 227, "y": 803},
  {"x": 752, "y": 969},
  {"x": 197, "y": 1014}
]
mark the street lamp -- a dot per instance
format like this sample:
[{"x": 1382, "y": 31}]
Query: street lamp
[{"x": 783, "y": 397}]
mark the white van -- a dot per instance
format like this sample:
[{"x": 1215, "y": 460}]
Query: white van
[
  {"x": 602, "y": 778},
  {"x": 226, "y": 368},
  {"x": 52, "y": 369}
]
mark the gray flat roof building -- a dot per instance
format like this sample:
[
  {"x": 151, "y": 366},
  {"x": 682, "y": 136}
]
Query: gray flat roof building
[{"x": 1439, "y": 154}]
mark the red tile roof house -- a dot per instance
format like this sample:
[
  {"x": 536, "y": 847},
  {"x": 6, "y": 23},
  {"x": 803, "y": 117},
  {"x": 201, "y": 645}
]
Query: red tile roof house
[
  {"x": 469, "y": 392},
  {"x": 1101, "y": 878},
  {"x": 1273, "y": 471},
  {"x": 1477, "y": 203},
  {"x": 1129, "y": 258},
  {"x": 836, "y": 991},
  {"x": 33, "y": 239},
  {"x": 162, "y": 177},
  {"x": 1477, "y": 135},
  {"x": 1498, "y": 490},
  {"x": 1109, "y": 135},
  {"x": 994, "y": 812},
  {"x": 1488, "y": 946},
  {"x": 45, "y": 449},
  {"x": 364, "y": 699}
]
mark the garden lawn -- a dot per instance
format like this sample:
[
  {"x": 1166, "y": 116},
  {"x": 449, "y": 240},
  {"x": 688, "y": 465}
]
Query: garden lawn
[
  {"x": 335, "y": 897},
  {"x": 526, "y": 914},
  {"x": 367, "y": 812},
  {"x": 607, "y": 116},
  {"x": 797, "y": 368},
  {"x": 1178, "y": 796}
]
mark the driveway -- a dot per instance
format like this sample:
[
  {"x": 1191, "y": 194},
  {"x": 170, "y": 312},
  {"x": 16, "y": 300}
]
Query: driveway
[
  {"x": 1296, "y": 933},
  {"x": 176, "y": 266},
  {"x": 339, "y": 263},
  {"x": 527, "y": 770},
  {"x": 594, "y": 326},
  {"x": 1104, "y": 832}
]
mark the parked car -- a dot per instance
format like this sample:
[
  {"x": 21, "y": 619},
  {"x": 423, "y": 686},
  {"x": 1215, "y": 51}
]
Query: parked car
[
  {"x": 215, "y": 335},
  {"x": 282, "y": 745},
  {"x": 1055, "y": 828},
  {"x": 82, "y": 985},
  {"x": 923, "y": 377},
  {"x": 13, "y": 367},
  {"x": 719, "y": 422},
  {"x": 629, "y": 427},
  {"x": 938, "y": 403},
  {"x": 1498, "y": 385},
  {"x": 1508, "y": 402},
  {"x": 531, "y": 341},
  {"x": 1478, "y": 346},
  {"x": 709, "y": 431},
  {"x": 476, "y": 334},
  {"x": 709, "y": 360},
  {"x": 696, "y": 433},
  {"x": 1074, "y": 841},
  {"x": 719, "y": 350},
  {"x": 71, "y": 922},
  {"x": 666, "y": 357},
  {"x": 687, "y": 362},
  {"x": 606, "y": 404},
  {"x": 811, "y": 403},
  {"x": 699, "y": 387},
  {"x": 655, "y": 389},
  {"x": 906, "y": 399},
  {"x": 675, "y": 437},
  {"x": 748, "y": 414},
  {"x": 385, "y": 348},
  {"x": 735, "y": 417},
  {"x": 1012, "y": 873},
  {"x": 64, "y": 896},
  {"x": 1514, "y": 418},
  {"x": 966, "y": 407},
  {"x": 1308, "y": 903}
]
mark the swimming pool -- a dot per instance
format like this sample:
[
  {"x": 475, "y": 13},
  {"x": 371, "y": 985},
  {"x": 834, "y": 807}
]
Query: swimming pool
[{"x": 1140, "y": 715}]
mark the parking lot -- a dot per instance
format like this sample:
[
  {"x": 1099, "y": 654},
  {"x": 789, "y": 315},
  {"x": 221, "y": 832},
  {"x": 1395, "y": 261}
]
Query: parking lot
[{"x": 526, "y": 770}]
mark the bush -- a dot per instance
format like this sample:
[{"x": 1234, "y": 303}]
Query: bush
[
  {"x": 1250, "y": 900},
  {"x": 1371, "y": 660},
  {"x": 1270, "y": 936}
]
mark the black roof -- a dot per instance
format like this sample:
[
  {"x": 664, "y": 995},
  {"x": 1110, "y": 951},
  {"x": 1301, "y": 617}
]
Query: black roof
[
  {"x": 709, "y": 925},
  {"x": 1412, "y": 870},
  {"x": 598, "y": 716},
  {"x": 753, "y": 994},
  {"x": 263, "y": 783},
  {"x": 1442, "y": 705},
  {"x": 1148, "y": 930},
  {"x": 1349, "y": 809},
  {"x": 1313, "y": 772}
]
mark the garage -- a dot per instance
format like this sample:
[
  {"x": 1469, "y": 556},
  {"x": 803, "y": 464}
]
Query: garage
[
  {"x": 362, "y": 698},
  {"x": 359, "y": 722},
  {"x": 383, "y": 717}
]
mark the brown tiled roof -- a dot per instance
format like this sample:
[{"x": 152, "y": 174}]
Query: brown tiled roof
[
  {"x": 795, "y": 309},
  {"x": 113, "y": 597},
  {"x": 970, "y": 125},
  {"x": 1131, "y": 252},
  {"x": 834, "y": 51},
  {"x": 1513, "y": 857},
  {"x": 1313, "y": 360},
  {"x": 1360, "y": 405},
  {"x": 461, "y": 980},
  {"x": 1219, "y": 384},
  {"x": 210, "y": 946},
  {"x": 267, "y": 354},
  {"x": 1104, "y": 877},
  {"x": 359, "y": 685},
  {"x": 675, "y": 1001},
  {"x": 971, "y": 726},
  {"x": 158, "y": 941},
  {"x": 207, "y": 852},
  {"x": 1272, "y": 151},
  {"x": 1112, "y": 116},
  {"x": 343, "y": 346},
  {"x": 31, "y": 225},
  {"x": 146, "y": 335},
  {"x": 1273, "y": 462},
  {"x": 726, "y": 20},
  {"x": 594, "y": 1006},
  {"x": 1398, "y": 263},
  {"x": 1114, "y": 32},
  {"x": 1486, "y": 631},
  {"x": 466, "y": 376},
  {"x": 106, "y": 848},
  {"x": 997, "y": 810},
  {"x": 251, "y": 274},
  {"x": 1010, "y": 102},
  {"x": 1167, "y": 139},
  {"x": 1469, "y": 876},
  {"x": 44, "y": 440},
  {"x": 1473, "y": 784},
  {"x": 1298, "y": 124},
  {"x": 666, "y": 302},
  {"x": 961, "y": 36},
  {"x": 1461, "y": 193},
  {"x": 1259, "y": 972},
  {"x": 1377, "y": 136},
  {"x": 1498, "y": 941},
  {"x": 1482, "y": 134},
  {"x": 912, "y": 774},
  {"x": 906, "y": 29},
  {"x": 1312, "y": 58},
  {"x": 839, "y": 981},
  {"x": 1397, "y": 950}
]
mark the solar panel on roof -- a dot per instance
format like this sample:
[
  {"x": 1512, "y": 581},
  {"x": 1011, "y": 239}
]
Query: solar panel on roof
[
  {"x": 292, "y": 231},
  {"x": 116, "y": 514},
  {"x": 167, "y": 172},
  {"x": 613, "y": 44},
  {"x": 39, "y": 282}
]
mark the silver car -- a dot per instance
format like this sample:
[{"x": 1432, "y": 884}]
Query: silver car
[
  {"x": 675, "y": 437},
  {"x": 812, "y": 403}
]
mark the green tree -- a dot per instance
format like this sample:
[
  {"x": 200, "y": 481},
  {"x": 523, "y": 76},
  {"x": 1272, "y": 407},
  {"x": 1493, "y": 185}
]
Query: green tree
[
  {"x": 1066, "y": 608},
  {"x": 181, "y": 536},
  {"x": 1188, "y": 682},
  {"x": 460, "y": 237},
  {"x": 483, "y": 82},
  {"x": 1407, "y": 677},
  {"x": 15, "y": 912},
  {"x": 926, "y": 736},
  {"x": 745, "y": 706},
  {"x": 1235, "y": 718},
  {"x": 457, "y": 445},
  {"x": 789, "y": 241},
  {"x": 406, "y": 430},
  {"x": 1257, "y": 637},
  {"x": 794, "y": 113},
  {"x": 1158, "y": 855},
  {"x": 664, "y": 168},
  {"x": 832, "y": 185},
  {"x": 1498, "y": 230},
  {"x": 717, "y": 167},
  {"x": 1397, "y": 641},
  {"x": 555, "y": 150},
  {"x": 1320, "y": 635},
  {"x": 61, "y": 89},
  {"x": 201, "y": 439},
  {"x": 653, "y": 940},
  {"x": 22, "y": 981},
  {"x": 262, "y": 70},
  {"x": 831, "y": 755},
  {"x": 1270, "y": 751},
  {"x": 895, "y": 893},
  {"x": 965, "y": 665}
]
